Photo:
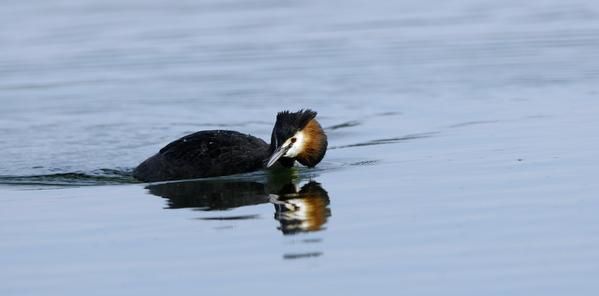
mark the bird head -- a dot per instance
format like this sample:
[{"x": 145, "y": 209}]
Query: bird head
[{"x": 297, "y": 136}]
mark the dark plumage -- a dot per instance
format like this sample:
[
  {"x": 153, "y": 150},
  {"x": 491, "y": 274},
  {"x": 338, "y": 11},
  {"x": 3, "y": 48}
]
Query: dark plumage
[
  {"x": 204, "y": 154},
  {"x": 296, "y": 135}
]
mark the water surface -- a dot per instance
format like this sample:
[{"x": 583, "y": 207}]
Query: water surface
[{"x": 463, "y": 147}]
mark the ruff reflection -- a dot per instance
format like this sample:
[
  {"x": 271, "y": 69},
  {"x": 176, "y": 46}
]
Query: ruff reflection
[
  {"x": 298, "y": 209},
  {"x": 305, "y": 210}
]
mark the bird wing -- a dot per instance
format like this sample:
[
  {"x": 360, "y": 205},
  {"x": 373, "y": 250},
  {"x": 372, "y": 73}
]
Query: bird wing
[{"x": 218, "y": 152}]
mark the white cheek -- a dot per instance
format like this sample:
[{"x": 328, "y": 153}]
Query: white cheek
[{"x": 297, "y": 147}]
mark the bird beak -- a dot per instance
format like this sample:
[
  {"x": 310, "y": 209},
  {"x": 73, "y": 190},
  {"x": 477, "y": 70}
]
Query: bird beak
[{"x": 281, "y": 150}]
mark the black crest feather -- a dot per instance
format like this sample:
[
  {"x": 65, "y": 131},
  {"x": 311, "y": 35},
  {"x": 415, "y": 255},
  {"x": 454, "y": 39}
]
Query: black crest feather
[{"x": 298, "y": 119}]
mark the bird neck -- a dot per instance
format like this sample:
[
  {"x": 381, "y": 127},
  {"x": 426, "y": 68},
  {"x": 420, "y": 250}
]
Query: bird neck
[{"x": 314, "y": 144}]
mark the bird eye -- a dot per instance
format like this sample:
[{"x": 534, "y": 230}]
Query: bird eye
[{"x": 293, "y": 140}]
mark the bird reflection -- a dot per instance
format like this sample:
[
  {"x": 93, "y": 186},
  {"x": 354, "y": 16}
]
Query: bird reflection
[
  {"x": 210, "y": 195},
  {"x": 298, "y": 209}
]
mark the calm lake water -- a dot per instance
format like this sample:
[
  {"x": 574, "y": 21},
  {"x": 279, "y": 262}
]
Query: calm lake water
[{"x": 464, "y": 147}]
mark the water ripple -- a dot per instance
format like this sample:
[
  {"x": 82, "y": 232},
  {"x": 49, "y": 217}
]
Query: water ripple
[
  {"x": 387, "y": 140},
  {"x": 97, "y": 177}
]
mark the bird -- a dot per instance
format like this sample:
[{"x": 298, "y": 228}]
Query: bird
[{"x": 296, "y": 136}]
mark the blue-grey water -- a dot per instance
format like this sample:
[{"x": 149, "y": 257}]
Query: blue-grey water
[{"x": 463, "y": 160}]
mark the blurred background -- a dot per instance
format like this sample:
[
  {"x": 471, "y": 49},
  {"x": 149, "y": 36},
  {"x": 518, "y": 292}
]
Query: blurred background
[
  {"x": 114, "y": 78},
  {"x": 463, "y": 146}
]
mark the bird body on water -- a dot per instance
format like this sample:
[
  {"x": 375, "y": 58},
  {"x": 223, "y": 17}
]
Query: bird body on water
[{"x": 295, "y": 136}]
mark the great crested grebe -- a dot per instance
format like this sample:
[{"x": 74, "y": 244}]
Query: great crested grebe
[{"x": 295, "y": 136}]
